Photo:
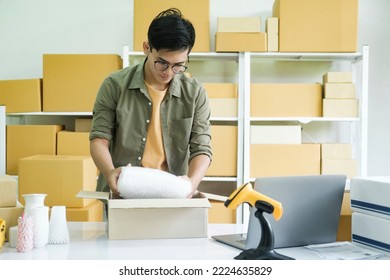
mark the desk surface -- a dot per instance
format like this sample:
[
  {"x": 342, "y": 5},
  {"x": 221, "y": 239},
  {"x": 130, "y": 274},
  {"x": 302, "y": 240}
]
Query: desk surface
[{"x": 88, "y": 241}]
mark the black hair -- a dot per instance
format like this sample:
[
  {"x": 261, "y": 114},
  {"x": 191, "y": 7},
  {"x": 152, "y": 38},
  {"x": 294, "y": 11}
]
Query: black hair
[{"x": 170, "y": 31}]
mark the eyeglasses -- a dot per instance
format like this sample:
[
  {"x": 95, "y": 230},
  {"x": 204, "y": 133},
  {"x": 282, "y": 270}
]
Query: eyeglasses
[{"x": 176, "y": 68}]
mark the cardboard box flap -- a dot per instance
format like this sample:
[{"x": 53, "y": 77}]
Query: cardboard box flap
[
  {"x": 94, "y": 195},
  {"x": 159, "y": 203},
  {"x": 146, "y": 203},
  {"x": 215, "y": 197}
]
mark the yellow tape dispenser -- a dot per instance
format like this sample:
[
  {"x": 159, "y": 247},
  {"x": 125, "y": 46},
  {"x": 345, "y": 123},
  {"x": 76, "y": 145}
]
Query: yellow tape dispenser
[{"x": 2, "y": 232}]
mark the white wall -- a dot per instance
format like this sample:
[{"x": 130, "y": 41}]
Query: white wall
[{"x": 29, "y": 29}]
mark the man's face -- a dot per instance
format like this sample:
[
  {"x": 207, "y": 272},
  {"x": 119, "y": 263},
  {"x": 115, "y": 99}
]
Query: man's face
[{"x": 173, "y": 61}]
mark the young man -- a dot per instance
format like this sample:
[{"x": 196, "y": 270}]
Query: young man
[{"x": 152, "y": 115}]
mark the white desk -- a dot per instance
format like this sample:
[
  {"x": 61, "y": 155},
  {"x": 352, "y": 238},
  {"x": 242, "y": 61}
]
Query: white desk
[{"x": 88, "y": 241}]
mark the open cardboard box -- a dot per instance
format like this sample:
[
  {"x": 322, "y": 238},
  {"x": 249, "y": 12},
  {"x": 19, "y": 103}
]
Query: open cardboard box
[{"x": 155, "y": 218}]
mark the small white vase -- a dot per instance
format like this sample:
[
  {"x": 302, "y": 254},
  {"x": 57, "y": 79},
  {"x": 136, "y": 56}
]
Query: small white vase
[
  {"x": 41, "y": 225},
  {"x": 58, "y": 228},
  {"x": 33, "y": 200}
]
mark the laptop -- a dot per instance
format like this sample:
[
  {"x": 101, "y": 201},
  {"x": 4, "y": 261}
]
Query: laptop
[{"x": 311, "y": 211}]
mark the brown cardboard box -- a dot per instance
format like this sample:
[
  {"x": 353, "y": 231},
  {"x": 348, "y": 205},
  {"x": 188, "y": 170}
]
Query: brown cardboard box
[
  {"x": 8, "y": 191},
  {"x": 221, "y": 90},
  {"x": 240, "y": 42},
  {"x": 340, "y": 108},
  {"x": 154, "y": 218},
  {"x": 224, "y": 144},
  {"x": 198, "y": 12},
  {"x": 29, "y": 140},
  {"x": 71, "y": 81},
  {"x": 317, "y": 25},
  {"x": 238, "y": 24},
  {"x": 223, "y": 107},
  {"x": 337, "y": 77},
  {"x": 73, "y": 143},
  {"x": 336, "y": 151},
  {"x": 284, "y": 160},
  {"x": 339, "y": 91},
  {"x": 90, "y": 213},
  {"x": 60, "y": 177},
  {"x": 11, "y": 215},
  {"x": 286, "y": 100},
  {"x": 272, "y": 30},
  {"x": 83, "y": 125},
  {"x": 347, "y": 167},
  {"x": 344, "y": 232},
  {"x": 21, "y": 95},
  {"x": 220, "y": 214}
]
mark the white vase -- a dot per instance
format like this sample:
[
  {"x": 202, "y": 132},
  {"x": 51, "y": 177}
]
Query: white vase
[
  {"x": 33, "y": 200},
  {"x": 58, "y": 228},
  {"x": 41, "y": 225}
]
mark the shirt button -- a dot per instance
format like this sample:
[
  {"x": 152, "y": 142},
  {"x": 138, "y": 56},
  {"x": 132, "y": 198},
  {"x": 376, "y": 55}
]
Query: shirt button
[
  {"x": 147, "y": 121},
  {"x": 139, "y": 158},
  {"x": 150, "y": 103},
  {"x": 144, "y": 139}
]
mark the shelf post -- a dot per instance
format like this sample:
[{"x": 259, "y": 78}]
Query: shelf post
[
  {"x": 2, "y": 139},
  {"x": 364, "y": 112}
]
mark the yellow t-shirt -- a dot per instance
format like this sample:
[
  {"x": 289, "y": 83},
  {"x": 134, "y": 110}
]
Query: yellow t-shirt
[{"x": 154, "y": 153}]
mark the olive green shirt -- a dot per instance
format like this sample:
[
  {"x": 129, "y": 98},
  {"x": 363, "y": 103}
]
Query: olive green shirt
[{"x": 123, "y": 109}]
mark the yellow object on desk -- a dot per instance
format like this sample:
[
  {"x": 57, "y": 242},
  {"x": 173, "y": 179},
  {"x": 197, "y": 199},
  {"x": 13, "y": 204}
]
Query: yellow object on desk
[{"x": 2, "y": 232}]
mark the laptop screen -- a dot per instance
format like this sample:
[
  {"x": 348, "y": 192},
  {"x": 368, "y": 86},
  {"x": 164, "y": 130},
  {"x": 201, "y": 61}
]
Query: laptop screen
[{"x": 311, "y": 209}]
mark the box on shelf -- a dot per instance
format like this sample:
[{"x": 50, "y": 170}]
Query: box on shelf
[
  {"x": 286, "y": 100},
  {"x": 371, "y": 195},
  {"x": 8, "y": 191},
  {"x": 220, "y": 214},
  {"x": 21, "y": 96},
  {"x": 344, "y": 232},
  {"x": 238, "y": 24},
  {"x": 336, "y": 151},
  {"x": 339, "y": 91},
  {"x": 317, "y": 25},
  {"x": 272, "y": 30},
  {"x": 371, "y": 231},
  {"x": 11, "y": 215},
  {"x": 337, "y": 77},
  {"x": 82, "y": 124},
  {"x": 275, "y": 134},
  {"x": 73, "y": 143},
  {"x": 60, "y": 177},
  {"x": 29, "y": 140},
  {"x": 198, "y": 12},
  {"x": 221, "y": 90},
  {"x": 240, "y": 42},
  {"x": 284, "y": 160},
  {"x": 339, "y": 166},
  {"x": 70, "y": 77},
  {"x": 340, "y": 108},
  {"x": 91, "y": 213},
  {"x": 224, "y": 144},
  {"x": 154, "y": 218},
  {"x": 224, "y": 107}
]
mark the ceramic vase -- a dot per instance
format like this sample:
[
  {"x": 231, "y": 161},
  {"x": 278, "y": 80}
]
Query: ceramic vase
[
  {"x": 41, "y": 225},
  {"x": 25, "y": 234},
  {"x": 58, "y": 228},
  {"x": 33, "y": 200}
]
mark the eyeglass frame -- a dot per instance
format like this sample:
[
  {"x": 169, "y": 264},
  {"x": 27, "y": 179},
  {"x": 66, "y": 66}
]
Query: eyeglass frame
[{"x": 162, "y": 62}]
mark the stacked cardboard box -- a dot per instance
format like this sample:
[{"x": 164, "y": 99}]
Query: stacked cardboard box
[
  {"x": 240, "y": 34},
  {"x": 336, "y": 158},
  {"x": 10, "y": 208},
  {"x": 198, "y": 12},
  {"x": 317, "y": 25},
  {"x": 20, "y": 96},
  {"x": 223, "y": 99},
  {"x": 272, "y": 30},
  {"x": 339, "y": 95},
  {"x": 224, "y": 144},
  {"x": 370, "y": 202}
]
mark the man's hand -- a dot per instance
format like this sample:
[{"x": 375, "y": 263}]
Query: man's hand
[
  {"x": 112, "y": 180},
  {"x": 193, "y": 188}
]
